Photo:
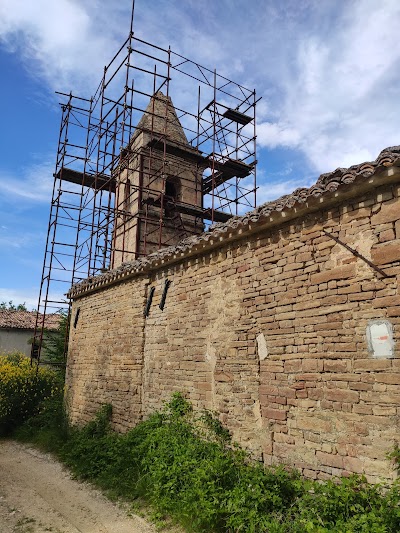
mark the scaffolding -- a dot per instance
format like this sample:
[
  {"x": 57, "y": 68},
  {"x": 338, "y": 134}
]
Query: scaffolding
[{"x": 209, "y": 134}]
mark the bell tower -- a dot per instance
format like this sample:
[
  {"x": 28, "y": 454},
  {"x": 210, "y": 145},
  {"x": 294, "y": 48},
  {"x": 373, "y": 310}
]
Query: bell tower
[{"x": 159, "y": 194}]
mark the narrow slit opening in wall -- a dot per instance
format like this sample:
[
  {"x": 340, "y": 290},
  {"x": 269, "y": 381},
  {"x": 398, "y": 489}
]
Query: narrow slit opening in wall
[
  {"x": 164, "y": 294},
  {"x": 148, "y": 303},
  {"x": 77, "y": 317}
]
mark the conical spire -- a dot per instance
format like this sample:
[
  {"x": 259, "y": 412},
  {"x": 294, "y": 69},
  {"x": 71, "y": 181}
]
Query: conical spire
[{"x": 160, "y": 117}]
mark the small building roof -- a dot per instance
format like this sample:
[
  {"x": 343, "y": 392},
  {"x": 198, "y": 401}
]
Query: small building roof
[{"x": 26, "y": 320}]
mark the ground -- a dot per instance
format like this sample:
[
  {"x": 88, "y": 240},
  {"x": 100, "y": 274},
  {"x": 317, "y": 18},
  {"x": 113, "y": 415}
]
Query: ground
[{"x": 37, "y": 495}]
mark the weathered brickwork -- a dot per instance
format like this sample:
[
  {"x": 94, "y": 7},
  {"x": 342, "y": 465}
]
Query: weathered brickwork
[
  {"x": 105, "y": 360},
  {"x": 265, "y": 325}
]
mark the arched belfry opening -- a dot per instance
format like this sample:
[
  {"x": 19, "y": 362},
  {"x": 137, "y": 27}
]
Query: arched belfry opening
[{"x": 172, "y": 188}]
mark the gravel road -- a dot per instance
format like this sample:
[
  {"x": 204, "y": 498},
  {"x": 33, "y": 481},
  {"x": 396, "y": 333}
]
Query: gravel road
[{"x": 38, "y": 495}]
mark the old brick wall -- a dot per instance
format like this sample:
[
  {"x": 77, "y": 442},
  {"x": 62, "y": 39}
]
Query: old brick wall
[
  {"x": 203, "y": 343},
  {"x": 330, "y": 407},
  {"x": 105, "y": 359},
  {"x": 268, "y": 329}
]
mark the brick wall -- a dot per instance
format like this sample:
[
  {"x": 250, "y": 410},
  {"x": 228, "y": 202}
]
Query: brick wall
[
  {"x": 105, "y": 359},
  {"x": 267, "y": 327}
]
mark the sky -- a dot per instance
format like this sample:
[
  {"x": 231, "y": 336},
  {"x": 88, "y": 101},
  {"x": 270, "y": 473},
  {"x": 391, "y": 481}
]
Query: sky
[{"x": 328, "y": 73}]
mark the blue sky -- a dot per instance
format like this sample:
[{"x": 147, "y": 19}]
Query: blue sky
[{"x": 328, "y": 73}]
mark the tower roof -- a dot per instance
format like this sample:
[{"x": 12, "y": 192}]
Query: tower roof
[{"x": 160, "y": 117}]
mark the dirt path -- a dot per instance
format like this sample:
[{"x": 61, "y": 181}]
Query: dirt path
[{"x": 37, "y": 495}]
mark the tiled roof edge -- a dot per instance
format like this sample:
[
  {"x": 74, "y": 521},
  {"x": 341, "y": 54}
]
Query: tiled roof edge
[
  {"x": 26, "y": 320},
  {"x": 326, "y": 183}
]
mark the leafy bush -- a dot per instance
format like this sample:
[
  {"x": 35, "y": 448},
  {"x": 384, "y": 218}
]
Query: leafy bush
[
  {"x": 90, "y": 450},
  {"x": 24, "y": 390},
  {"x": 187, "y": 467},
  {"x": 348, "y": 505},
  {"x": 48, "y": 428}
]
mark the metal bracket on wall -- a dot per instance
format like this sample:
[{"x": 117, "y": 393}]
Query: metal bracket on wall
[
  {"x": 357, "y": 254},
  {"x": 164, "y": 294},
  {"x": 148, "y": 303}
]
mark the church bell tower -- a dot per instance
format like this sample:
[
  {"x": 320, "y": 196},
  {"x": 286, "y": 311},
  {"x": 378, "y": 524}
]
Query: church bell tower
[{"x": 159, "y": 197}]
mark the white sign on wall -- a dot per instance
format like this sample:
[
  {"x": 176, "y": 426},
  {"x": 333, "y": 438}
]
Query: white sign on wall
[{"x": 380, "y": 338}]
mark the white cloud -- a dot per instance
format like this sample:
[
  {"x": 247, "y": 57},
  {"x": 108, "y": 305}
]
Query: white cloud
[
  {"x": 339, "y": 103},
  {"x": 273, "y": 191},
  {"x": 328, "y": 71},
  {"x": 61, "y": 41},
  {"x": 33, "y": 184},
  {"x": 272, "y": 135},
  {"x": 20, "y": 240},
  {"x": 29, "y": 296},
  {"x": 11, "y": 240}
]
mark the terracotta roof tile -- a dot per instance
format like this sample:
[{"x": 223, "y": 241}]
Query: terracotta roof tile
[{"x": 26, "y": 320}]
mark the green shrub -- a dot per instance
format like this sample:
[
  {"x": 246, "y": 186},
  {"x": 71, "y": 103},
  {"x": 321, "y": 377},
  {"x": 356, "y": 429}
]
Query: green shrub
[
  {"x": 348, "y": 505},
  {"x": 48, "y": 428},
  {"x": 24, "y": 390},
  {"x": 186, "y": 466},
  {"x": 91, "y": 449}
]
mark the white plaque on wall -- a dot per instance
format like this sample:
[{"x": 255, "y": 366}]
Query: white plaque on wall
[{"x": 380, "y": 338}]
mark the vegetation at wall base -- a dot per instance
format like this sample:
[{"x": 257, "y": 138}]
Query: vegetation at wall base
[{"x": 186, "y": 466}]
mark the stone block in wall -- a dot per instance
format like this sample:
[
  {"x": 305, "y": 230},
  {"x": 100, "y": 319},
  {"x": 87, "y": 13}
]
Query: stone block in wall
[
  {"x": 353, "y": 465},
  {"x": 329, "y": 459},
  {"x": 274, "y": 414},
  {"x": 340, "y": 395},
  {"x": 341, "y": 272},
  {"x": 385, "y": 253},
  {"x": 397, "y": 229},
  {"x": 387, "y": 301},
  {"x": 389, "y": 212},
  {"x": 337, "y": 365},
  {"x": 371, "y": 365},
  {"x": 388, "y": 378}
]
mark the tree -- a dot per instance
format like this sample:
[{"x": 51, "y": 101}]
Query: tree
[
  {"x": 4, "y": 306},
  {"x": 54, "y": 342}
]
